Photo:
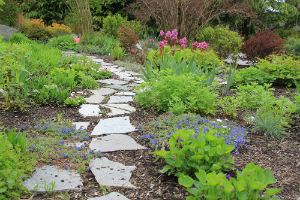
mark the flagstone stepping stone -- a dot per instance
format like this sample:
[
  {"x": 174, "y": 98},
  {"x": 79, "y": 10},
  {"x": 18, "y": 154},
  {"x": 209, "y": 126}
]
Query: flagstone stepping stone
[
  {"x": 140, "y": 81},
  {"x": 120, "y": 87},
  {"x": 111, "y": 196},
  {"x": 113, "y": 125},
  {"x": 113, "y": 81},
  {"x": 132, "y": 73},
  {"x": 93, "y": 57},
  {"x": 78, "y": 55},
  {"x": 133, "y": 85},
  {"x": 125, "y": 94},
  {"x": 69, "y": 52},
  {"x": 88, "y": 110},
  {"x": 119, "y": 99},
  {"x": 103, "y": 91},
  {"x": 95, "y": 99},
  {"x": 126, "y": 78},
  {"x": 119, "y": 109},
  {"x": 111, "y": 173},
  {"x": 64, "y": 179},
  {"x": 114, "y": 142},
  {"x": 98, "y": 60},
  {"x": 81, "y": 125}
]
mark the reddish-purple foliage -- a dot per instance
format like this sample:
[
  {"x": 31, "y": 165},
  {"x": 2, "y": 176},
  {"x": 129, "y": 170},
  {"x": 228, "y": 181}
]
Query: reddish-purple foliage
[{"x": 262, "y": 45}]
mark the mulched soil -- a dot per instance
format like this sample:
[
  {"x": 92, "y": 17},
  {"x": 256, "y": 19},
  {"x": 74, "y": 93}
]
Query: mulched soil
[{"x": 281, "y": 156}]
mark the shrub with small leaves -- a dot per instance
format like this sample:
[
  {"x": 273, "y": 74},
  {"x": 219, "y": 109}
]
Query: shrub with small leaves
[
  {"x": 127, "y": 36},
  {"x": 59, "y": 29},
  {"x": 35, "y": 28},
  {"x": 252, "y": 74},
  {"x": 262, "y": 45},
  {"x": 73, "y": 102}
]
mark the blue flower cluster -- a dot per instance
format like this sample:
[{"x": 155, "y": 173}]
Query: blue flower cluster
[{"x": 147, "y": 137}]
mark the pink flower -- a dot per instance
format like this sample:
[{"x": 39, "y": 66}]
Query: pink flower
[
  {"x": 161, "y": 33},
  {"x": 161, "y": 44},
  {"x": 77, "y": 40},
  {"x": 200, "y": 46},
  {"x": 183, "y": 46},
  {"x": 293, "y": 50},
  {"x": 195, "y": 45},
  {"x": 205, "y": 45},
  {"x": 151, "y": 40},
  {"x": 183, "y": 40},
  {"x": 283, "y": 52}
]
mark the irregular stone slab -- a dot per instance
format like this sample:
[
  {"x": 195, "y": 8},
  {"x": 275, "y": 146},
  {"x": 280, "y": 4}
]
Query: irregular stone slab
[
  {"x": 114, "y": 142},
  {"x": 120, "y": 99},
  {"x": 126, "y": 78},
  {"x": 93, "y": 57},
  {"x": 111, "y": 196},
  {"x": 107, "y": 64},
  {"x": 64, "y": 179},
  {"x": 78, "y": 55},
  {"x": 98, "y": 60},
  {"x": 81, "y": 125},
  {"x": 113, "y": 125},
  {"x": 69, "y": 52},
  {"x": 111, "y": 173},
  {"x": 119, "y": 109},
  {"x": 103, "y": 91},
  {"x": 132, "y": 73},
  {"x": 95, "y": 99},
  {"x": 113, "y": 81},
  {"x": 140, "y": 81},
  {"x": 121, "y": 69},
  {"x": 133, "y": 85},
  {"x": 7, "y": 31},
  {"x": 88, "y": 110},
  {"x": 125, "y": 94},
  {"x": 120, "y": 87}
]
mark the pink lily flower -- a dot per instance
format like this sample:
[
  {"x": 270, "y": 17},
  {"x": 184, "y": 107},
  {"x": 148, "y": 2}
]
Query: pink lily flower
[{"x": 77, "y": 40}]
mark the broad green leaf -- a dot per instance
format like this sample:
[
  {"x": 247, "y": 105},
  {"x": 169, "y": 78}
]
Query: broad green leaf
[
  {"x": 2, "y": 190},
  {"x": 172, "y": 142},
  {"x": 199, "y": 185},
  {"x": 165, "y": 169},
  {"x": 228, "y": 187},
  {"x": 211, "y": 178},
  {"x": 201, "y": 175},
  {"x": 185, "y": 180},
  {"x": 242, "y": 195},
  {"x": 210, "y": 196},
  {"x": 270, "y": 176},
  {"x": 253, "y": 184},
  {"x": 272, "y": 191},
  {"x": 212, "y": 151},
  {"x": 215, "y": 167},
  {"x": 193, "y": 191},
  {"x": 240, "y": 185}
]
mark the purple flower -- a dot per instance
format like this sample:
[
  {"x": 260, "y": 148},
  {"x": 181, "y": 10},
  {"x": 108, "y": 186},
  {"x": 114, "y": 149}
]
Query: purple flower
[
  {"x": 99, "y": 153},
  {"x": 61, "y": 142},
  {"x": 161, "y": 33},
  {"x": 293, "y": 50},
  {"x": 228, "y": 177},
  {"x": 68, "y": 166},
  {"x": 221, "y": 187},
  {"x": 22, "y": 127},
  {"x": 63, "y": 155}
]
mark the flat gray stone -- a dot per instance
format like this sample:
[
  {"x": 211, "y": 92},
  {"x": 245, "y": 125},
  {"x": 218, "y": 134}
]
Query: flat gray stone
[
  {"x": 88, "y": 110},
  {"x": 111, "y": 173},
  {"x": 111, "y": 196},
  {"x": 98, "y": 60},
  {"x": 113, "y": 125},
  {"x": 93, "y": 57},
  {"x": 64, "y": 179},
  {"x": 107, "y": 64},
  {"x": 114, "y": 142},
  {"x": 133, "y": 85},
  {"x": 69, "y": 52},
  {"x": 120, "y": 87},
  {"x": 140, "y": 81},
  {"x": 126, "y": 78},
  {"x": 95, "y": 99},
  {"x": 120, "y": 99},
  {"x": 103, "y": 91},
  {"x": 7, "y": 31},
  {"x": 119, "y": 109},
  {"x": 81, "y": 125},
  {"x": 125, "y": 94},
  {"x": 132, "y": 73},
  {"x": 113, "y": 81}
]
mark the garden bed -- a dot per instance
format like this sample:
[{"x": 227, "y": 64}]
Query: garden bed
[{"x": 281, "y": 156}]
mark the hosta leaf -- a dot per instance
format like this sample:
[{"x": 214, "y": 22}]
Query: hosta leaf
[
  {"x": 185, "y": 180},
  {"x": 193, "y": 191}
]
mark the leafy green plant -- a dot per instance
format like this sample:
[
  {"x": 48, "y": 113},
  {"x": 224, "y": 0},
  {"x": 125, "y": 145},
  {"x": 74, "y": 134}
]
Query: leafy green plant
[
  {"x": 89, "y": 83},
  {"x": 101, "y": 74},
  {"x": 118, "y": 52},
  {"x": 253, "y": 96},
  {"x": 65, "y": 42},
  {"x": 129, "y": 66},
  {"x": 49, "y": 188},
  {"x": 19, "y": 38},
  {"x": 17, "y": 139},
  {"x": 283, "y": 68},
  {"x": 13, "y": 166},
  {"x": 73, "y": 102},
  {"x": 248, "y": 184},
  {"x": 177, "y": 93},
  {"x": 296, "y": 97},
  {"x": 190, "y": 152},
  {"x": 230, "y": 79},
  {"x": 229, "y": 105},
  {"x": 222, "y": 40},
  {"x": 8, "y": 13},
  {"x": 252, "y": 74}
]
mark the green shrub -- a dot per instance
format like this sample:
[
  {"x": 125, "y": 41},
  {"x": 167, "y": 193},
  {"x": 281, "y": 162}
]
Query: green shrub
[
  {"x": 65, "y": 42},
  {"x": 283, "y": 68},
  {"x": 222, "y": 40},
  {"x": 248, "y": 184},
  {"x": 287, "y": 33},
  {"x": 252, "y": 74},
  {"x": 8, "y": 13},
  {"x": 88, "y": 83},
  {"x": 177, "y": 94},
  {"x": 111, "y": 25},
  {"x": 73, "y": 102},
  {"x": 253, "y": 96},
  {"x": 118, "y": 52},
  {"x": 19, "y": 38},
  {"x": 190, "y": 152},
  {"x": 13, "y": 166},
  {"x": 36, "y": 29},
  {"x": 292, "y": 46},
  {"x": 101, "y": 74}
]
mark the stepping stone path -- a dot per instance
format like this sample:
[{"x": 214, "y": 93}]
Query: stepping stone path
[{"x": 108, "y": 135}]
